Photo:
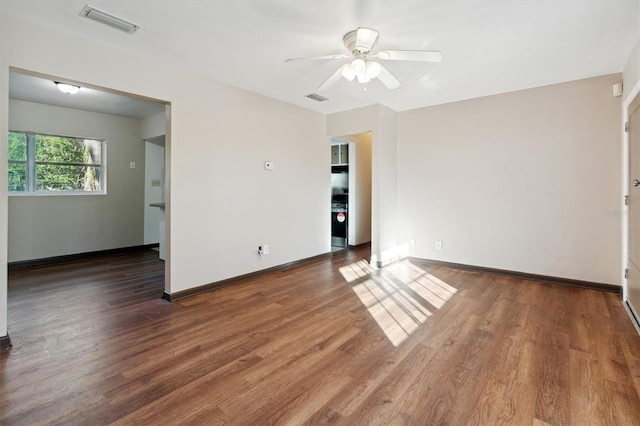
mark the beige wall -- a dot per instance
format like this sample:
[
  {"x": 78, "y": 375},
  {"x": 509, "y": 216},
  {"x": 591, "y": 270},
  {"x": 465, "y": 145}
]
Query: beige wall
[
  {"x": 56, "y": 225},
  {"x": 222, "y": 204},
  {"x": 525, "y": 181},
  {"x": 362, "y": 181},
  {"x": 385, "y": 179}
]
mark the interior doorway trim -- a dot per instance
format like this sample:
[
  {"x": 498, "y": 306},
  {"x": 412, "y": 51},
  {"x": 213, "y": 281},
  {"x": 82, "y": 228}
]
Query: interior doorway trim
[{"x": 633, "y": 94}]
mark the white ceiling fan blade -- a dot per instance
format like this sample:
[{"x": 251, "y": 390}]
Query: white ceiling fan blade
[
  {"x": 366, "y": 39},
  {"x": 331, "y": 80},
  {"x": 388, "y": 79},
  {"x": 315, "y": 58},
  {"x": 409, "y": 55}
]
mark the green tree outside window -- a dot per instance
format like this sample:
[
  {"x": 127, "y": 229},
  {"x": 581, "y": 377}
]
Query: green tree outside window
[{"x": 59, "y": 163}]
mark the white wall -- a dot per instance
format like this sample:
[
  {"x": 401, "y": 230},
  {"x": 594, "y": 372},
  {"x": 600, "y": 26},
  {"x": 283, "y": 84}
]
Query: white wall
[
  {"x": 631, "y": 73},
  {"x": 55, "y": 225},
  {"x": 154, "y": 126},
  {"x": 221, "y": 202},
  {"x": 521, "y": 181},
  {"x": 385, "y": 166},
  {"x": 224, "y": 204}
]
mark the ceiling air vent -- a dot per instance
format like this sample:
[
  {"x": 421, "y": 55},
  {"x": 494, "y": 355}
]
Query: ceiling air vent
[
  {"x": 109, "y": 19},
  {"x": 317, "y": 97}
]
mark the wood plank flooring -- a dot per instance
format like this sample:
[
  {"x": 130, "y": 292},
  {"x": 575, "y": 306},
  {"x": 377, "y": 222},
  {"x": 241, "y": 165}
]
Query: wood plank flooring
[{"x": 329, "y": 342}]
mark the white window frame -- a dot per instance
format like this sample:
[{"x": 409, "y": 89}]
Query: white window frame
[{"x": 31, "y": 167}]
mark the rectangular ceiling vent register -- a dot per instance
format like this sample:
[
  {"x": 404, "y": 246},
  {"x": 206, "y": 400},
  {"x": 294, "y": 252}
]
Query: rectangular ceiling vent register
[
  {"x": 109, "y": 19},
  {"x": 317, "y": 97}
]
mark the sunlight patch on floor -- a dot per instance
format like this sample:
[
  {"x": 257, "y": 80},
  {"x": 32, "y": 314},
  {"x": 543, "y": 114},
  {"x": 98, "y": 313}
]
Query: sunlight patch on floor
[
  {"x": 399, "y": 297},
  {"x": 430, "y": 288},
  {"x": 356, "y": 270}
]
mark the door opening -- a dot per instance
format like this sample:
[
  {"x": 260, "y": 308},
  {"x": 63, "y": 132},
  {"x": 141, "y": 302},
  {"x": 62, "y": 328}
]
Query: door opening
[
  {"x": 339, "y": 205},
  {"x": 633, "y": 261},
  {"x": 35, "y": 103},
  {"x": 351, "y": 188}
]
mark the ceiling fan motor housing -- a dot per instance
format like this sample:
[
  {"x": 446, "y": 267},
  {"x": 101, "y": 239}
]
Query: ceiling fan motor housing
[{"x": 360, "y": 41}]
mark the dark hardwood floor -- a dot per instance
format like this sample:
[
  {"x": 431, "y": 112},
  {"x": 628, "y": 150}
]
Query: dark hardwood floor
[{"x": 328, "y": 342}]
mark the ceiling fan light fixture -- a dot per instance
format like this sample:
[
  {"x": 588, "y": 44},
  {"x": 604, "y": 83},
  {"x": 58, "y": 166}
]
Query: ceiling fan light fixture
[
  {"x": 69, "y": 89},
  {"x": 372, "y": 69},
  {"x": 360, "y": 43},
  {"x": 363, "y": 78},
  {"x": 347, "y": 72},
  {"x": 358, "y": 66}
]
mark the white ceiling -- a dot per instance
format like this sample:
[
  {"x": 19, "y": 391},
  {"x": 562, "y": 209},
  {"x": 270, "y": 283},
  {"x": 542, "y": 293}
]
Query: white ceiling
[
  {"x": 489, "y": 46},
  {"x": 45, "y": 91}
]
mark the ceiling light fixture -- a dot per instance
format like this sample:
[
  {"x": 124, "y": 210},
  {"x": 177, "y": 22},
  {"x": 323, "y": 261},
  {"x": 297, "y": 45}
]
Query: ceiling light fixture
[
  {"x": 109, "y": 19},
  {"x": 358, "y": 66},
  {"x": 364, "y": 70},
  {"x": 69, "y": 89},
  {"x": 373, "y": 69},
  {"x": 347, "y": 72},
  {"x": 363, "y": 78}
]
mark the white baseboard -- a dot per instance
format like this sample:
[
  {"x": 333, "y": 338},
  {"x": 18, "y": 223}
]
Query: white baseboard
[{"x": 635, "y": 319}]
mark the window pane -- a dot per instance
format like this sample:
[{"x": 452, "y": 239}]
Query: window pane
[
  {"x": 93, "y": 151},
  {"x": 61, "y": 163},
  {"x": 67, "y": 178},
  {"x": 17, "y": 176},
  {"x": 59, "y": 149},
  {"x": 17, "y": 146}
]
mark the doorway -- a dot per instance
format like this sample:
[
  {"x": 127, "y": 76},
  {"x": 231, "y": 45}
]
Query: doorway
[
  {"x": 339, "y": 195},
  {"x": 351, "y": 188},
  {"x": 154, "y": 198},
  {"x": 633, "y": 248},
  {"x": 62, "y": 224}
]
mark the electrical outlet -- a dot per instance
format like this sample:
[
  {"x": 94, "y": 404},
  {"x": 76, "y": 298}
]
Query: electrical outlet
[
  {"x": 132, "y": 165},
  {"x": 268, "y": 165},
  {"x": 263, "y": 249},
  {"x": 438, "y": 245}
]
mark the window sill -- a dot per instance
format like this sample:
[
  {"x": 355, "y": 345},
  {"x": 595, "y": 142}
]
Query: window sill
[{"x": 53, "y": 193}]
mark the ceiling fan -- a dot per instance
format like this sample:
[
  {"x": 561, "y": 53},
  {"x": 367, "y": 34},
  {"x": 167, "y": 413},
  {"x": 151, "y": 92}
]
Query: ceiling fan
[{"x": 359, "y": 43}]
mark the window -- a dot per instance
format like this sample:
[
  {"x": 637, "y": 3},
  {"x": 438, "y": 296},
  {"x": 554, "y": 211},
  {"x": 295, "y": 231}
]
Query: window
[{"x": 53, "y": 164}]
